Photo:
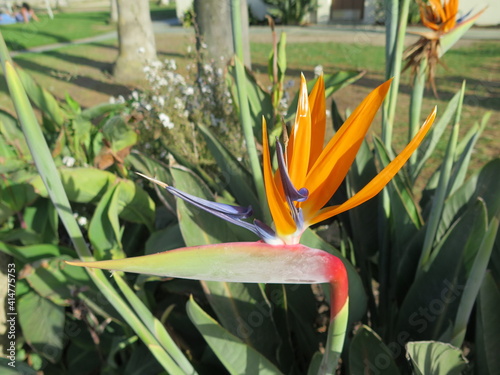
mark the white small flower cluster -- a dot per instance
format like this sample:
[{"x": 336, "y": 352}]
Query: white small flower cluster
[
  {"x": 161, "y": 75},
  {"x": 68, "y": 161},
  {"x": 318, "y": 69},
  {"x": 172, "y": 105},
  {"x": 165, "y": 121},
  {"x": 81, "y": 220}
]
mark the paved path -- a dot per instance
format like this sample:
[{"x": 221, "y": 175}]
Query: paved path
[{"x": 363, "y": 34}]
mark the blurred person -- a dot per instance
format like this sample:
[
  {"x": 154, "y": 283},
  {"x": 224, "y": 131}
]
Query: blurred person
[
  {"x": 25, "y": 14},
  {"x": 6, "y": 18}
]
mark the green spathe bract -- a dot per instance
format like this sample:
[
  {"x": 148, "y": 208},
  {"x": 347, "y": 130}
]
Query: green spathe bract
[{"x": 248, "y": 262}]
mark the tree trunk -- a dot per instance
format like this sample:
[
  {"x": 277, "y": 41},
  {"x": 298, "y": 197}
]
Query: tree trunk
[
  {"x": 214, "y": 29},
  {"x": 136, "y": 40},
  {"x": 214, "y": 37}
]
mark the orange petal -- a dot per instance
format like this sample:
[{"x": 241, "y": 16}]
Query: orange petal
[
  {"x": 438, "y": 9},
  {"x": 427, "y": 23},
  {"x": 299, "y": 145},
  {"x": 330, "y": 169},
  {"x": 277, "y": 202},
  {"x": 378, "y": 183},
  {"x": 317, "y": 103},
  {"x": 451, "y": 9}
]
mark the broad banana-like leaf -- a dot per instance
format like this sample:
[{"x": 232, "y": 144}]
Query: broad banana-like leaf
[
  {"x": 251, "y": 262},
  {"x": 432, "y": 357}
]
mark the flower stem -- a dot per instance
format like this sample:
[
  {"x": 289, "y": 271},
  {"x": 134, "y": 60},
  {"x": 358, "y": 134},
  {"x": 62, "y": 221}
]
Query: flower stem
[
  {"x": 394, "y": 66},
  {"x": 417, "y": 96},
  {"x": 245, "y": 117}
]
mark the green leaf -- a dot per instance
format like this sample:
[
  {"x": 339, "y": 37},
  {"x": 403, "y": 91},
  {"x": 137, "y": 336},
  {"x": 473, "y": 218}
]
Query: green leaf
[
  {"x": 485, "y": 184},
  {"x": 27, "y": 254},
  {"x": 488, "y": 327},
  {"x": 82, "y": 185},
  {"x": 237, "y": 177},
  {"x": 464, "y": 151},
  {"x": 474, "y": 281},
  {"x": 198, "y": 227},
  {"x": 236, "y": 356},
  {"x": 362, "y": 217},
  {"x": 337, "y": 120},
  {"x": 44, "y": 100},
  {"x": 42, "y": 324},
  {"x": 155, "y": 326},
  {"x": 281, "y": 60},
  {"x": 429, "y": 144},
  {"x": 436, "y": 358},
  {"x": 119, "y": 134},
  {"x": 20, "y": 235},
  {"x": 14, "y": 197},
  {"x": 55, "y": 280},
  {"x": 73, "y": 104},
  {"x": 401, "y": 185},
  {"x": 104, "y": 228},
  {"x": 13, "y": 135},
  {"x": 41, "y": 217},
  {"x": 447, "y": 40},
  {"x": 244, "y": 311},
  {"x": 141, "y": 362},
  {"x": 259, "y": 101},
  {"x": 369, "y": 355},
  {"x": 430, "y": 306},
  {"x": 165, "y": 239},
  {"x": 125, "y": 200},
  {"x": 315, "y": 364},
  {"x": 81, "y": 360},
  {"x": 100, "y": 110},
  {"x": 357, "y": 296},
  {"x": 442, "y": 190},
  {"x": 405, "y": 220}
]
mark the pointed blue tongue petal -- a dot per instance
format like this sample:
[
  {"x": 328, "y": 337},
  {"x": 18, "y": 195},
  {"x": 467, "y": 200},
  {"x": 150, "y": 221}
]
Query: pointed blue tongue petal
[{"x": 291, "y": 192}]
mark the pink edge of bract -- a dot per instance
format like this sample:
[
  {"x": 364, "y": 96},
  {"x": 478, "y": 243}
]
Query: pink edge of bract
[{"x": 238, "y": 262}]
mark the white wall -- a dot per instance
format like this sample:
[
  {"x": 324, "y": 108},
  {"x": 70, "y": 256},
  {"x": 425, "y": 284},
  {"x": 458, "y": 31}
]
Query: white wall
[{"x": 491, "y": 15}]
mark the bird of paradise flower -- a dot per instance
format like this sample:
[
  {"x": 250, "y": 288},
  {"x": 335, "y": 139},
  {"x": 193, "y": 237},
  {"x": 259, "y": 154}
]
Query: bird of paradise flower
[
  {"x": 308, "y": 175},
  {"x": 445, "y": 30}
]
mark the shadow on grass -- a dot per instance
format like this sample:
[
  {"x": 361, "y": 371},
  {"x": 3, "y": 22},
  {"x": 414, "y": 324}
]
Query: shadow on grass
[
  {"x": 170, "y": 55},
  {"x": 479, "y": 93},
  {"x": 19, "y": 39},
  {"x": 103, "y": 45},
  {"x": 80, "y": 60},
  {"x": 111, "y": 89}
]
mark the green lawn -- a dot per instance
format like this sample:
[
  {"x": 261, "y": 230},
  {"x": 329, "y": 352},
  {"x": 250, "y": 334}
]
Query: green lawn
[{"x": 66, "y": 27}]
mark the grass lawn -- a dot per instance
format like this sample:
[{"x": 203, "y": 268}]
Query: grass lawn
[
  {"x": 66, "y": 27},
  {"x": 82, "y": 71}
]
